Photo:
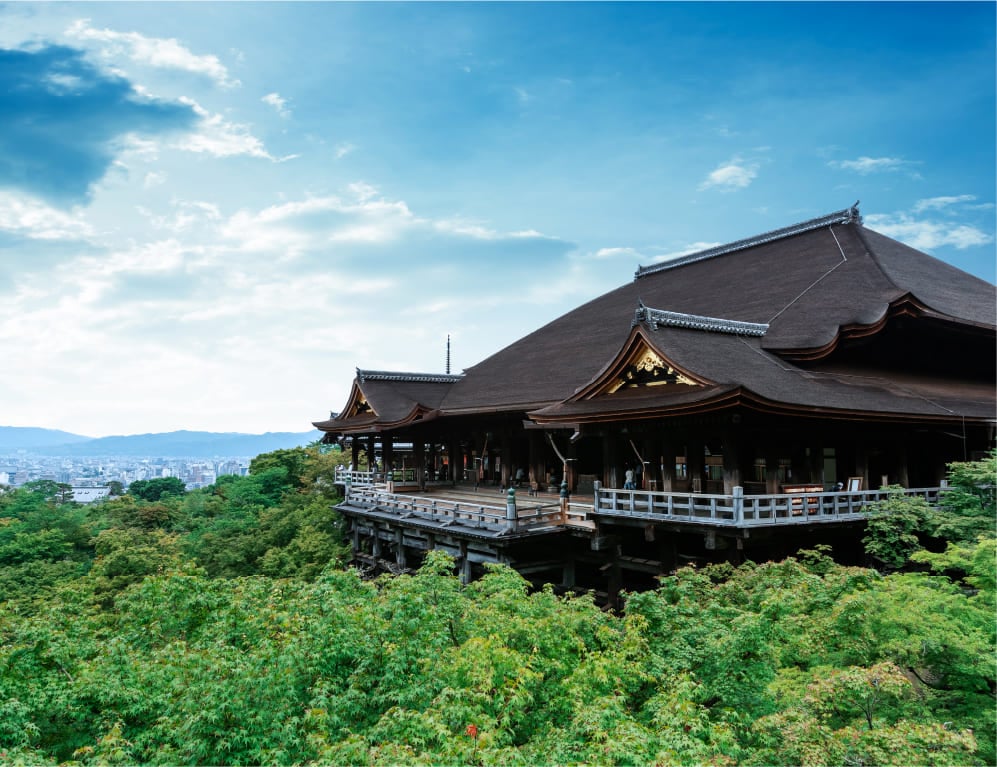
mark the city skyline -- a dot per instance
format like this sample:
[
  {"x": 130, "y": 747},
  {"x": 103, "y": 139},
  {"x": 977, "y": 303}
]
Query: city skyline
[{"x": 210, "y": 216}]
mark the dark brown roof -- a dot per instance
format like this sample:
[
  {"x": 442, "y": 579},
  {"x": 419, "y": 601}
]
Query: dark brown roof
[
  {"x": 806, "y": 283},
  {"x": 393, "y": 398},
  {"x": 737, "y": 318},
  {"x": 738, "y": 370}
]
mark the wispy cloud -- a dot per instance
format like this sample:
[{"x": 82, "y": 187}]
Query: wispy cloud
[
  {"x": 732, "y": 175},
  {"x": 221, "y": 138},
  {"x": 942, "y": 203},
  {"x": 344, "y": 149},
  {"x": 631, "y": 253},
  {"x": 868, "y": 165},
  {"x": 152, "y": 51},
  {"x": 927, "y": 234},
  {"x": 35, "y": 220},
  {"x": 278, "y": 102}
]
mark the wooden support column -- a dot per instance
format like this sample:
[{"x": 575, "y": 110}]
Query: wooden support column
[
  {"x": 375, "y": 544},
  {"x": 371, "y": 455},
  {"x": 505, "y": 476},
  {"x": 862, "y": 466},
  {"x": 388, "y": 452},
  {"x": 465, "y": 564},
  {"x": 901, "y": 475},
  {"x": 612, "y": 471},
  {"x": 355, "y": 453},
  {"x": 816, "y": 464},
  {"x": 665, "y": 460},
  {"x": 732, "y": 459},
  {"x": 771, "y": 469},
  {"x": 696, "y": 463},
  {"x": 536, "y": 470},
  {"x": 400, "y": 558},
  {"x": 456, "y": 460},
  {"x": 568, "y": 574},
  {"x": 419, "y": 448}
]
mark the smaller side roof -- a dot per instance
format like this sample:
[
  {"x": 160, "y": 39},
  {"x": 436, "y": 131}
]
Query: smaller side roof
[{"x": 384, "y": 399}]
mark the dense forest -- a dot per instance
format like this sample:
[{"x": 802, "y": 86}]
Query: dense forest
[{"x": 221, "y": 626}]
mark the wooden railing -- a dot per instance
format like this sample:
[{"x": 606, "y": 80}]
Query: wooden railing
[
  {"x": 506, "y": 517},
  {"x": 739, "y": 510}
]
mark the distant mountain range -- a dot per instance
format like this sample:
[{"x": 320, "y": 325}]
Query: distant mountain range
[{"x": 174, "y": 444}]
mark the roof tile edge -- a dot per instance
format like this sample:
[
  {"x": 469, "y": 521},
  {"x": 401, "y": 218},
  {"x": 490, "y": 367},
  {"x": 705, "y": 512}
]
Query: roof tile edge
[
  {"x": 391, "y": 375},
  {"x": 846, "y": 216},
  {"x": 657, "y": 317}
]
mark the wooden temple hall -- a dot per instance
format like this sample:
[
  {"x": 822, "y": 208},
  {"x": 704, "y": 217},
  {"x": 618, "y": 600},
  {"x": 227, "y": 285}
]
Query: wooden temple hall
[{"x": 740, "y": 402}]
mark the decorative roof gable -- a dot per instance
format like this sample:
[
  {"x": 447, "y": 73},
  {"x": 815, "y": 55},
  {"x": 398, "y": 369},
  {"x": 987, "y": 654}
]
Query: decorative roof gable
[
  {"x": 638, "y": 365},
  {"x": 358, "y": 405}
]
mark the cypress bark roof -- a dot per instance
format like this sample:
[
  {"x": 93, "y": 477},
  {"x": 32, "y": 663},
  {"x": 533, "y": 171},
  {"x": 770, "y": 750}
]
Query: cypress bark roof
[{"x": 778, "y": 321}]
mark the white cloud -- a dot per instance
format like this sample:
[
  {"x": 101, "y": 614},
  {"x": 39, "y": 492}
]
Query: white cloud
[
  {"x": 617, "y": 253},
  {"x": 928, "y": 235},
  {"x": 867, "y": 165},
  {"x": 694, "y": 247},
  {"x": 735, "y": 174},
  {"x": 35, "y": 220},
  {"x": 152, "y": 51},
  {"x": 220, "y": 138},
  {"x": 153, "y": 178},
  {"x": 939, "y": 203},
  {"x": 278, "y": 103},
  {"x": 271, "y": 300},
  {"x": 344, "y": 149}
]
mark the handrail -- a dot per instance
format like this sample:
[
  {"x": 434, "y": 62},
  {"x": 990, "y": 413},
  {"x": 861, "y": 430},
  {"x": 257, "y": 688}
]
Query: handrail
[
  {"x": 735, "y": 510},
  {"x": 739, "y": 510},
  {"x": 526, "y": 516}
]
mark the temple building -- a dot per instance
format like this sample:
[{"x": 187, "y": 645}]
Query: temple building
[
  {"x": 808, "y": 355},
  {"x": 820, "y": 357}
]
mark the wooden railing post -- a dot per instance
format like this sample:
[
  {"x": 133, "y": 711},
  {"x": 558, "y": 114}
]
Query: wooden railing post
[
  {"x": 596, "y": 487},
  {"x": 738, "y": 504},
  {"x": 564, "y": 501},
  {"x": 511, "y": 515}
]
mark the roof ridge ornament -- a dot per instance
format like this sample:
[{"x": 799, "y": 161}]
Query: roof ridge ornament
[
  {"x": 391, "y": 375},
  {"x": 847, "y": 216},
  {"x": 658, "y": 317}
]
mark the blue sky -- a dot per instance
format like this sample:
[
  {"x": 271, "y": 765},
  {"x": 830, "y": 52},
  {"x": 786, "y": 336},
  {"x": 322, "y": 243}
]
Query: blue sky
[{"x": 211, "y": 214}]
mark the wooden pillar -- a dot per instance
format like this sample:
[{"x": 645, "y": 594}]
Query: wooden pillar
[
  {"x": 370, "y": 452},
  {"x": 419, "y": 448},
  {"x": 455, "y": 459},
  {"x": 862, "y": 466},
  {"x": 400, "y": 557},
  {"x": 666, "y": 464},
  {"x": 536, "y": 464},
  {"x": 816, "y": 464},
  {"x": 696, "y": 462},
  {"x": 901, "y": 475},
  {"x": 505, "y": 477},
  {"x": 375, "y": 544},
  {"x": 465, "y": 564},
  {"x": 434, "y": 459},
  {"x": 732, "y": 459},
  {"x": 355, "y": 452},
  {"x": 771, "y": 468},
  {"x": 388, "y": 452},
  {"x": 612, "y": 471},
  {"x": 568, "y": 576}
]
